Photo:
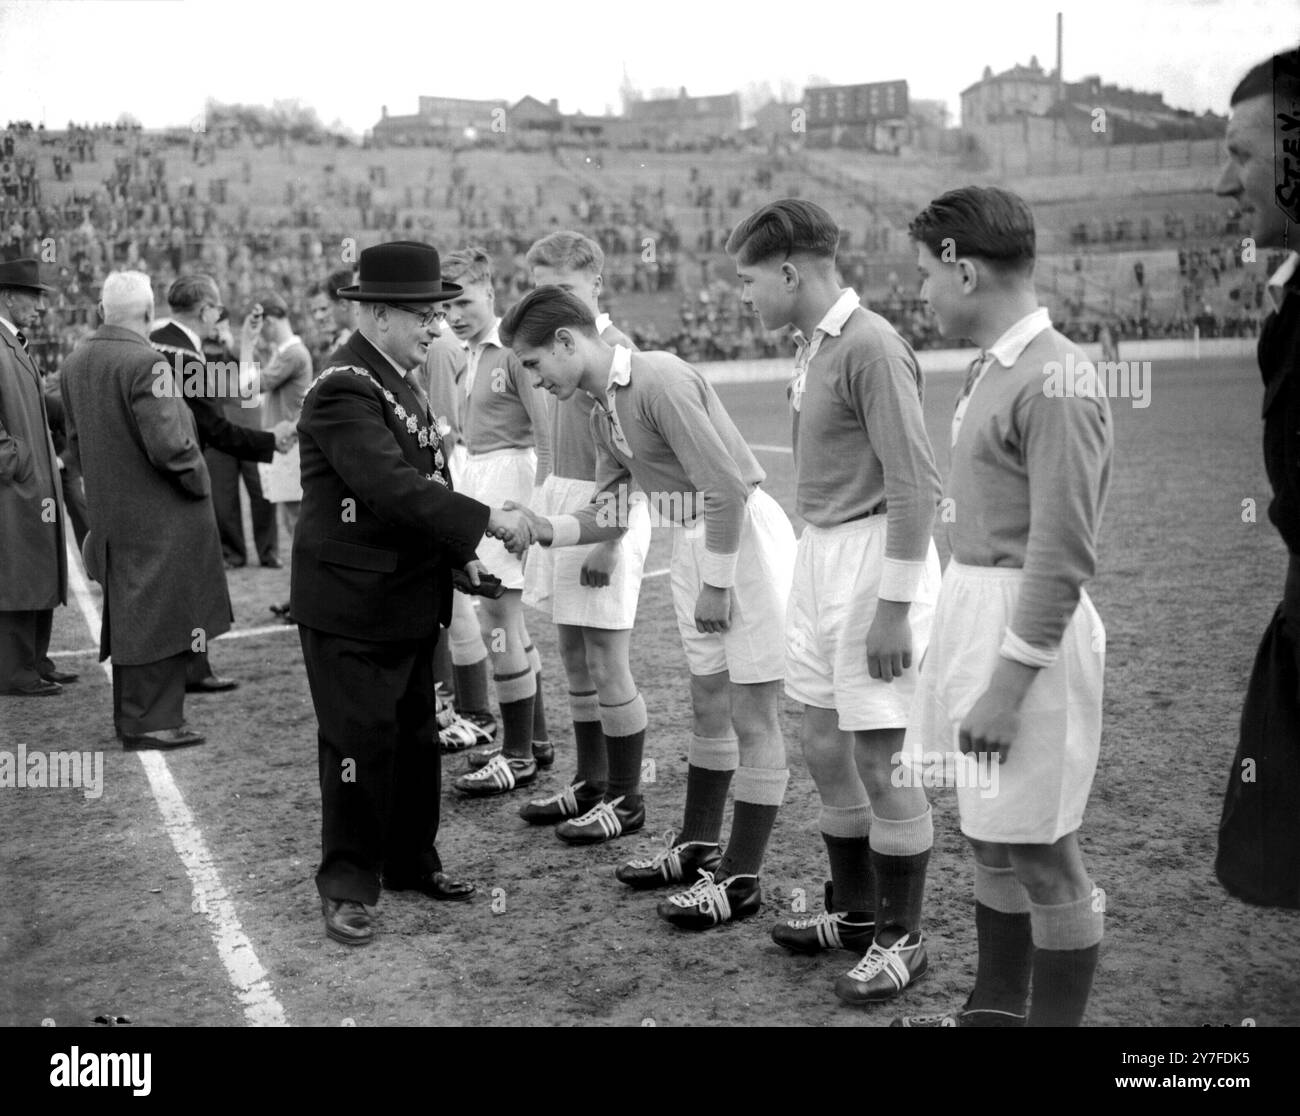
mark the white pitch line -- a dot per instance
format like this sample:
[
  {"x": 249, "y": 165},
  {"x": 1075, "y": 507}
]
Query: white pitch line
[
  {"x": 770, "y": 449},
  {"x": 261, "y": 1008}
]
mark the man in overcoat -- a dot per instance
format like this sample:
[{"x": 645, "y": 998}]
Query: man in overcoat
[
  {"x": 33, "y": 559},
  {"x": 153, "y": 542}
]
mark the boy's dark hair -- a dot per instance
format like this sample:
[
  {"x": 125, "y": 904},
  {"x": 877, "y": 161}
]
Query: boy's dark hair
[
  {"x": 533, "y": 320},
  {"x": 336, "y": 280},
  {"x": 784, "y": 228},
  {"x": 1281, "y": 73},
  {"x": 986, "y": 222}
]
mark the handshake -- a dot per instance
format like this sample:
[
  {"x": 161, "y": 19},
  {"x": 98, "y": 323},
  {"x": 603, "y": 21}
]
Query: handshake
[
  {"x": 286, "y": 434},
  {"x": 518, "y": 527}
]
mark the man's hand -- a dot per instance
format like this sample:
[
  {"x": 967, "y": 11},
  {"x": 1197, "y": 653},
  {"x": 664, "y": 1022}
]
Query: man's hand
[
  {"x": 889, "y": 641},
  {"x": 713, "y": 610},
  {"x": 600, "y": 564},
  {"x": 472, "y": 570},
  {"x": 512, "y": 527},
  {"x": 994, "y": 720},
  {"x": 286, "y": 433}
]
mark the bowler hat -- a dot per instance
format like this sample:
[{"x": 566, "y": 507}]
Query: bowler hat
[
  {"x": 24, "y": 274},
  {"x": 402, "y": 271}
]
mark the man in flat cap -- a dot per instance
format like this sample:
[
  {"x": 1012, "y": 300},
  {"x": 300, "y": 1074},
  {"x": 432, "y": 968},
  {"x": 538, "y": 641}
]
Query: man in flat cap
[
  {"x": 33, "y": 558},
  {"x": 379, "y": 534}
]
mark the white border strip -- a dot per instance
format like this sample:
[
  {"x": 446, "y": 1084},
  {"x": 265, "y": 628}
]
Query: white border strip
[{"x": 252, "y": 987}]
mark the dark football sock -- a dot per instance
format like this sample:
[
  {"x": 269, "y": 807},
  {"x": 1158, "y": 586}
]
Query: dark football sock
[
  {"x": 1006, "y": 955},
  {"x": 1067, "y": 938},
  {"x": 516, "y": 719},
  {"x": 472, "y": 687},
  {"x": 706, "y": 799},
  {"x": 624, "y": 728},
  {"x": 589, "y": 743},
  {"x": 900, "y": 853},
  {"x": 853, "y": 881},
  {"x": 751, "y": 826},
  {"x": 540, "y": 732}
]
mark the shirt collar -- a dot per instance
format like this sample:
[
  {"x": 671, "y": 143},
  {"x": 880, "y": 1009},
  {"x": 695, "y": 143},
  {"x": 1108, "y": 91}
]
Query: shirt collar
[
  {"x": 620, "y": 369},
  {"x": 602, "y": 322},
  {"x": 832, "y": 323},
  {"x": 9, "y": 326},
  {"x": 1276, "y": 285},
  {"x": 1010, "y": 345},
  {"x": 492, "y": 337}
]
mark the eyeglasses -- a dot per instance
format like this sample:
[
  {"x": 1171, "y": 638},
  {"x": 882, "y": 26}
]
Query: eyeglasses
[{"x": 425, "y": 316}]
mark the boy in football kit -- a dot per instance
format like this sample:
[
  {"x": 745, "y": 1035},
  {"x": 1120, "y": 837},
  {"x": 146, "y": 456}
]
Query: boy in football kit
[
  {"x": 505, "y": 432},
  {"x": 1013, "y": 675},
  {"x": 590, "y": 592},
  {"x": 866, "y": 578},
  {"x": 659, "y": 423}
]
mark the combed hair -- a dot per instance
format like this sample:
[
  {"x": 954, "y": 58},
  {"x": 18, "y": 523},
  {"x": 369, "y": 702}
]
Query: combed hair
[
  {"x": 473, "y": 265},
  {"x": 985, "y": 222},
  {"x": 566, "y": 250},
  {"x": 189, "y": 291},
  {"x": 126, "y": 295},
  {"x": 336, "y": 280},
  {"x": 533, "y": 320},
  {"x": 784, "y": 228},
  {"x": 1279, "y": 75}
]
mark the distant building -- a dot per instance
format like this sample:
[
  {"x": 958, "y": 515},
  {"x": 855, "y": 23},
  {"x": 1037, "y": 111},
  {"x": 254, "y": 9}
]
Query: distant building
[
  {"x": 871, "y": 115},
  {"x": 684, "y": 120},
  {"x": 439, "y": 120},
  {"x": 1019, "y": 91},
  {"x": 776, "y": 120}
]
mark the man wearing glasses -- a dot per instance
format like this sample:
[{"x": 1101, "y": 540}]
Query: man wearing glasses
[{"x": 380, "y": 532}]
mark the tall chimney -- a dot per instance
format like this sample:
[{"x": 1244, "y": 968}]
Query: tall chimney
[{"x": 1060, "y": 66}]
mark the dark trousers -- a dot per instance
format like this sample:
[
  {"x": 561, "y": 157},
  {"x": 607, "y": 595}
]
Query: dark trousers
[
  {"x": 1259, "y": 833},
  {"x": 380, "y": 763},
  {"x": 226, "y": 472},
  {"x": 149, "y": 697},
  {"x": 24, "y": 648}
]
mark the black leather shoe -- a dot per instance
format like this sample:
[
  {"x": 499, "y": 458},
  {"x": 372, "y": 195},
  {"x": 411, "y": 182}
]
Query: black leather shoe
[
  {"x": 235, "y": 564},
  {"x": 272, "y": 564},
  {"x": 673, "y": 865},
  {"x": 436, "y": 885},
  {"x": 211, "y": 685},
  {"x": 163, "y": 738},
  {"x": 347, "y": 921},
  {"x": 40, "y": 688},
  {"x": 712, "y": 901},
  {"x": 61, "y": 676}
]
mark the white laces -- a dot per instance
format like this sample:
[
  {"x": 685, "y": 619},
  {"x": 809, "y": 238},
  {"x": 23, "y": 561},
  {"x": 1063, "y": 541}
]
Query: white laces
[
  {"x": 659, "y": 858},
  {"x": 705, "y": 894}
]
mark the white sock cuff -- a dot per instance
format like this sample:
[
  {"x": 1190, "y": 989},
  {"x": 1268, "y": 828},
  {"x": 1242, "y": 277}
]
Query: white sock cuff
[
  {"x": 584, "y": 707},
  {"x": 715, "y": 753},
  {"x": 762, "y": 786},
  {"x": 625, "y": 719},
  {"x": 999, "y": 890},
  {"x": 515, "y": 687},
  {"x": 1062, "y": 926},
  {"x": 846, "y": 821},
  {"x": 908, "y": 837}
]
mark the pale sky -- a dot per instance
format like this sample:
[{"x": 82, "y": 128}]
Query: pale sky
[{"x": 160, "y": 59}]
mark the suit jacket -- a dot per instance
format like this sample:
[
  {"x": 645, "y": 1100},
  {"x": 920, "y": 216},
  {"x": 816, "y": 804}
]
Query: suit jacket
[
  {"x": 216, "y": 431},
  {"x": 153, "y": 542},
  {"x": 1279, "y": 355},
  {"x": 380, "y": 528},
  {"x": 33, "y": 558}
]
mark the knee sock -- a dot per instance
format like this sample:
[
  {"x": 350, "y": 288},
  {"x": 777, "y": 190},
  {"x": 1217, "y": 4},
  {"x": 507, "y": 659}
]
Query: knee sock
[
  {"x": 515, "y": 692},
  {"x": 1006, "y": 947},
  {"x": 759, "y": 791},
  {"x": 846, "y": 831},
  {"x": 540, "y": 733},
  {"x": 471, "y": 681},
  {"x": 712, "y": 761},
  {"x": 624, "y": 728},
  {"x": 1066, "y": 941},
  {"x": 589, "y": 742},
  {"x": 900, "y": 851}
]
